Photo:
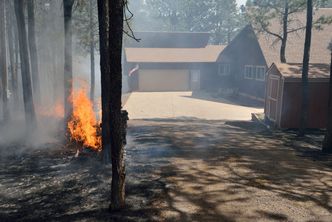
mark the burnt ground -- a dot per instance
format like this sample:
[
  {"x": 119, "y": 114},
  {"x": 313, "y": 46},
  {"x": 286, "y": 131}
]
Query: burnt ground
[{"x": 177, "y": 170}]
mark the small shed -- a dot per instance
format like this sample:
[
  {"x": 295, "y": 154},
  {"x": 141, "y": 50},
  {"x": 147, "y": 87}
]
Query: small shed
[{"x": 284, "y": 95}]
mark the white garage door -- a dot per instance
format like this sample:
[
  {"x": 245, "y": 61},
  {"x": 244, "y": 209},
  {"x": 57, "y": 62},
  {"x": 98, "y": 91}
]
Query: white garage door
[{"x": 164, "y": 80}]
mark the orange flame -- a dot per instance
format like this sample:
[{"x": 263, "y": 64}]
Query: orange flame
[{"x": 83, "y": 126}]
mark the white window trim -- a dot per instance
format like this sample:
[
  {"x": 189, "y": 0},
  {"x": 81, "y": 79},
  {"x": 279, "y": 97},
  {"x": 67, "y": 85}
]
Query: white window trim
[
  {"x": 227, "y": 71},
  {"x": 246, "y": 68},
  {"x": 254, "y": 74},
  {"x": 264, "y": 71}
]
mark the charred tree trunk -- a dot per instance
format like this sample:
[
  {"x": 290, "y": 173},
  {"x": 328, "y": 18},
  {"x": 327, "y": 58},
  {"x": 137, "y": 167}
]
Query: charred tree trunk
[
  {"x": 68, "y": 66},
  {"x": 3, "y": 61},
  {"x": 105, "y": 77},
  {"x": 30, "y": 115},
  {"x": 305, "y": 71},
  {"x": 114, "y": 89},
  {"x": 285, "y": 34},
  {"x": 10, "y": 35},
  {"x": 17, "y": 52},
  {"x": 33, "y": 50},
  {"x": 327, "y": 143},
  {"x": 110, "y": 14},
  {"x": 92, "y": 54}
]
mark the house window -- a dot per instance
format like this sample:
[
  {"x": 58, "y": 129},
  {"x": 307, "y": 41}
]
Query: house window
[
  {"x": 249, "y": 72},
  {"x": 254, "y": 72},
  {"x": 260, "y": 73},
  {"x": 224, "y": 69}
]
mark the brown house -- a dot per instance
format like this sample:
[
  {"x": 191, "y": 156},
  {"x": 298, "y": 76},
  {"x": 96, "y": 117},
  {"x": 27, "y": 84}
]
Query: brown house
[
  {"x": 284, "y": 95},
  {"x": 249, "y": 54},
  {"x": 169, "y": 69},
  {"x": 183, "y": 61},
  {"x": 169, "y": 40}
]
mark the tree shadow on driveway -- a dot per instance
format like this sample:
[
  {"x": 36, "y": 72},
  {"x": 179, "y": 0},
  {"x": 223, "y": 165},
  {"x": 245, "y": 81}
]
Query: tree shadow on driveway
[{"x": 217, "y": 171}]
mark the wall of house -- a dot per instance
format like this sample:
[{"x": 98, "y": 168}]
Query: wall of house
[
  {"x": 291, "y": 108},
  {"x": 204, "y": 68},
  {"x": 244, "y": 50},
  {"x": 210, "y": 80}
]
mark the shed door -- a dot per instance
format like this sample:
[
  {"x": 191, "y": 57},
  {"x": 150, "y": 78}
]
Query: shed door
[
  {"x": 272, "y": 101},
  {"x": 164, "y": 80}
]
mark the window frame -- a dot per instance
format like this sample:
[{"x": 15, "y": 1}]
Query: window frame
[
  {"x": 253, "y": 72},
  {"x": 226, "y": 67},
  {"x": 262, "y": 77},
  {"x": 248, "y": 72}
]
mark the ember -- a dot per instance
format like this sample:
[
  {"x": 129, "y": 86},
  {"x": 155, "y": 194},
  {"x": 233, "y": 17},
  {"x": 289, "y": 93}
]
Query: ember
[{"x": 83, "y": 126}]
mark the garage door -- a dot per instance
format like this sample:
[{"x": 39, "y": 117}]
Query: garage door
[{"x": 163, "y": 80}]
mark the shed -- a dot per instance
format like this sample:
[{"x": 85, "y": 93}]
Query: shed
[{"x": 284, "y": 95}]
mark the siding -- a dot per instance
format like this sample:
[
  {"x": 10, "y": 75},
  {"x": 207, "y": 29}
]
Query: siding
[
  {"x": 244, "y": 50},
  {"x": 318, "y": 101}
]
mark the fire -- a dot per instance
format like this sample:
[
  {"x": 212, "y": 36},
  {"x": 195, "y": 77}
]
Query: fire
[{"x": 83, "y": 126}]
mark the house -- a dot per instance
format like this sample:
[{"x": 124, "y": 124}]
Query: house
[
  {"x": 284, "y": 95},
  {"x": 171, "y": 61},
  {"x": 169, "y": 40},
  {"x": 249, "y": 55}
]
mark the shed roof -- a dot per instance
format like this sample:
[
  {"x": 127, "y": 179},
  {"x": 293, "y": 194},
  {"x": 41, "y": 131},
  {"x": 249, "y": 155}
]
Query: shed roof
[
  {"x": 208, "y": 54},
  {"x": 294, "y": 70},
  {"x": 295, "y": 44}
]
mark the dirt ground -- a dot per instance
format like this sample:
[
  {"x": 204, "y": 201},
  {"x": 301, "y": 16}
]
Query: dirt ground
[{"x": 177, "y": 170}]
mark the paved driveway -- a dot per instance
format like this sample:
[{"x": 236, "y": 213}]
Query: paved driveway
[{"x": 154, "y": 105}]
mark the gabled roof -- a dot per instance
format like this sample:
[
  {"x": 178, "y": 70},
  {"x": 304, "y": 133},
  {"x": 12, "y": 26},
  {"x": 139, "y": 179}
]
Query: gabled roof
[
  {"x": 169, "y": 40},
  {"x": 295, "y": 44},
  {"x": 294, "y": 70},
  {"x": 208, "y": 54}
]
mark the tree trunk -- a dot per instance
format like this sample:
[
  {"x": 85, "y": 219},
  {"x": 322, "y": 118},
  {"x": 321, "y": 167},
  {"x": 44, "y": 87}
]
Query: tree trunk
[
  {"x": 68, "y": 66},
  {"x": 30, "y": 115},
  {"x": 17, "y": 51},
  {"x": 10, "y": 35},
  {"x": 327, "y": 143},
  {"x": 105, "y": 78},
  {"x": 305, "y": 71},
  {"x": 33, "y": 50},
  {"x": 115, "y": 86},
  {"x": 92, "y": 54},
  {"x": 285, "y": 34},
  {"x": 111, "y": 23},
  {"x": 3, "y": 61}
]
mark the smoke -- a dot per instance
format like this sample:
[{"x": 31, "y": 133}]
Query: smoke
[{"x": 50, "y": 109}]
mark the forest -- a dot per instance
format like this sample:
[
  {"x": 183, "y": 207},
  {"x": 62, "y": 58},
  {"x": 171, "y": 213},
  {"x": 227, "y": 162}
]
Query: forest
[{"x": 165, "y": 110}]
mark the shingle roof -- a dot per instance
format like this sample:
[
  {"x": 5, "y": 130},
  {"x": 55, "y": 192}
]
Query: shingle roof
[
  {"x": 295, "y": 44},
  {"x": 294, "y": 70},
  {"x": 174, "y": 55},
  {"x": 169, "y": 40}
]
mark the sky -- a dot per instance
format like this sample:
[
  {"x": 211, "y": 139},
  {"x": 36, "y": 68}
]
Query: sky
[{"x": 241, "y": 2}]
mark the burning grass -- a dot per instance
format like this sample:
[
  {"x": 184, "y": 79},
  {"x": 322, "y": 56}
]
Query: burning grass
[{"x": 83, "y": 126}]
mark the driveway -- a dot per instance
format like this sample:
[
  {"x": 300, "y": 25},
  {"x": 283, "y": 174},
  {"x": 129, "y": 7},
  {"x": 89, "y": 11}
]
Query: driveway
[
  {"x": 155, "y": 105},
  {"x": 212, "y": 170}
]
